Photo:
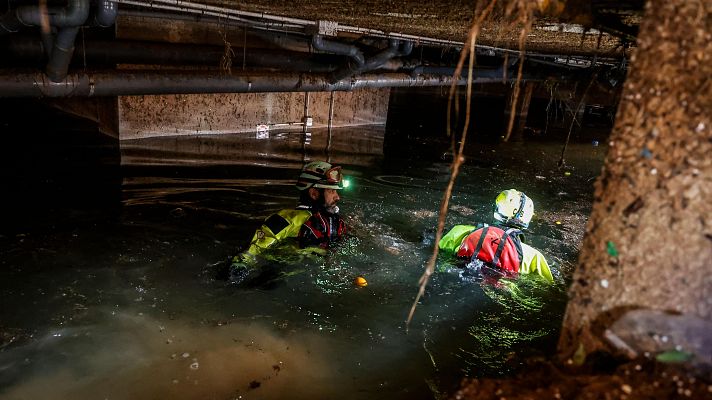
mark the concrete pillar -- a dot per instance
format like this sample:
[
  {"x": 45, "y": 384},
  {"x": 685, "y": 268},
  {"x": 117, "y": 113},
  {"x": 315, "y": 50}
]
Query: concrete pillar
[{"x": 102, "y": 110}]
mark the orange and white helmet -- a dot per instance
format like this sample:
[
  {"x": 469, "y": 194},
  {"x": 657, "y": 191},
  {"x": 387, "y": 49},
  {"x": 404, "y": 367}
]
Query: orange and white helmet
[
  {"x": 320, "y": 174},
  {"x": 513, "y": 208}
]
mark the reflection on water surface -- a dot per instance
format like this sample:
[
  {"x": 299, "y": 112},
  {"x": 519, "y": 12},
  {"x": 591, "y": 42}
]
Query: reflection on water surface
[{"x": 125, "y": 304}]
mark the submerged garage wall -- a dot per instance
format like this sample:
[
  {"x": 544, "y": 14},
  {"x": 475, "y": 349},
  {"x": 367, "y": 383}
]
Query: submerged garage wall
[{"x": 149, "y": 116}]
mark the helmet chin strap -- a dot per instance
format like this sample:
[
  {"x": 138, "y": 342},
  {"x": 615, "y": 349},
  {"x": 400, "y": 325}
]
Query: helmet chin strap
[{"x": 522, "y": 201}]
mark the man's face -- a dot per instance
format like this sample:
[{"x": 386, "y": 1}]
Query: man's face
[{"x": 331, "y": 197}]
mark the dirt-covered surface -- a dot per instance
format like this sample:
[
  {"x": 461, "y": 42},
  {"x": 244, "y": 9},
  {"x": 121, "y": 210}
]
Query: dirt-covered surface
[
  {"x": 447, "y": 20},
  {"x": 655, "y": 185},
  {"x": 638, "y": 379}
]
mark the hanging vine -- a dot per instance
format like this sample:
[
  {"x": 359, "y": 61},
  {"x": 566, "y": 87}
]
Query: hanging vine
[
  {"x": 522, "y": 13},
  {"x": 458, "y": 158},
  {"x": 228, "y": 54}
]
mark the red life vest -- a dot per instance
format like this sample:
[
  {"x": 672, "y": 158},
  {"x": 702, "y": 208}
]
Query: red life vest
[
  {"x": 494, "y": 246},
  {"x": 321, "y": 229}
]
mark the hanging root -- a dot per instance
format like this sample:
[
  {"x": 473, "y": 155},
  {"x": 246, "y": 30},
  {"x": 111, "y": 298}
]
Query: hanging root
[
  {"x": 228, "y": 54},
  {"x": 573, "y": 118},
  {"x": 524, "y": 11},
  {"x": 458, "y": 158},
  {"x": 525, "y": 16}
]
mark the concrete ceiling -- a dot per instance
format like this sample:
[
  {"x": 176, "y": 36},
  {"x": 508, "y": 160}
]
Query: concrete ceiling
[
  {"x": 280, "y": 36},
  {"x": 451, "y": 19}
]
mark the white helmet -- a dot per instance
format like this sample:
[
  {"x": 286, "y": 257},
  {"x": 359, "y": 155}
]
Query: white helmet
[
  {"x": 320, "y": 174},
  {"x": 513, "y": 208}
]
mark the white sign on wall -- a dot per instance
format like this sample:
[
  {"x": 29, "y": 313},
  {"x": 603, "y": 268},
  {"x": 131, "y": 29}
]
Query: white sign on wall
[{"x": 262, "y": 131}]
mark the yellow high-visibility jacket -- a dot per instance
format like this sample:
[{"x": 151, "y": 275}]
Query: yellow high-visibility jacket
[{"x": 281, "y": 225}]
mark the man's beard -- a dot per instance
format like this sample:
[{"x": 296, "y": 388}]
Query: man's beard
[{"x": 332, "y": 209}]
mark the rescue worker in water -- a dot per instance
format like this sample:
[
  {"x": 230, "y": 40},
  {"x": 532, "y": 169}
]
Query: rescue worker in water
[
  {"x": 500, "y": 247},
  {"x": 315, "y": 221}
]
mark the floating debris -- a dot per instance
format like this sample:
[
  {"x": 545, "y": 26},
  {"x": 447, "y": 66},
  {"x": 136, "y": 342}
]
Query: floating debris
[
  {"x": 466, "y": 211},
  {"x": 674, "y": 356},
  {"x": 611, "y": 249},
  {"x": 360, "y": 281},
  {"x": 178, "y": 212}
]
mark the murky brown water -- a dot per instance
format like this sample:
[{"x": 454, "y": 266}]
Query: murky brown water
[{"x": 124, "y": 304}]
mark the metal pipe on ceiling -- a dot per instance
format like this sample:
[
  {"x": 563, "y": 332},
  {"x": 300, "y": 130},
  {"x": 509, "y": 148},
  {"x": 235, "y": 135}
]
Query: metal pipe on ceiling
[
  {"x": 27, "y": 51},
  {"x": 104, "y": 14},
  {"x": 67, "y": 20},
  {"x": 275, "y": 22},
  {"x": 73, "y": 15},
  {"x": 130, "y": 83},
  {"x": 395, "y": 48},
  {"x": 208, "y": 9},
  {"x": 283, "y": 24},
  {"x": 333, "y": 47}
]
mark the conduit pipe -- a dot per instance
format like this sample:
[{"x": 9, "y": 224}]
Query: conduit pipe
[
  {"x": 129, "y": 83},
  {"x": 75, "y": 14},
  {"x": 67, "y": 19},
  {"x": 227, "y": 13},
  {"x": 27, "y": 52},
  {"x": 395, "y": 49},
  {"x": 62, "y": 51},
  {"x": 105, "y": 13},
  {"x": 278, "y": 23},
  {"x": 281, "y": 23},
  {"x": 339, "y": 48}
]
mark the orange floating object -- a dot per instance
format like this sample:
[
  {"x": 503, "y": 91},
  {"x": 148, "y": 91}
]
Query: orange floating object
[{"x": 360, "y": 281}]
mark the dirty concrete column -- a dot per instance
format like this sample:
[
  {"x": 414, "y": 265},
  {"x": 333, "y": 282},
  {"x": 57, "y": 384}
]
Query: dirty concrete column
[
  {"x": 648, "y": 243},
  {"x": 102, "y": 110}
]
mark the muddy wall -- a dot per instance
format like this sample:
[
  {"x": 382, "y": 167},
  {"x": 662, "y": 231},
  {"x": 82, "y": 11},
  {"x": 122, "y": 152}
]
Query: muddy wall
[{"x": 149, "y": 116}]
